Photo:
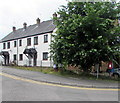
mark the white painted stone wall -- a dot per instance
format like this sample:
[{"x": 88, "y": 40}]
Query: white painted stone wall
[
  {"x": 1, "y": 59},
  {"x": 40, "y": 48}
]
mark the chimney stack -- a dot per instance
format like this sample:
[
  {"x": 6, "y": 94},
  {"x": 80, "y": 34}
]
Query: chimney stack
[
  {"x": 38, "y": 21},
  {"x": 24, "y": 25},
  {"x": 14, "y": 28},
  {"x": 54, "y": 15}
]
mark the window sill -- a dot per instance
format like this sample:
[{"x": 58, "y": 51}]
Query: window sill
[
  {"x": 45, "y": 42},
  {"x": 45, "y": 60},
  {"x": 35, "y": 44},
  {"x": 20, "y": 60}
]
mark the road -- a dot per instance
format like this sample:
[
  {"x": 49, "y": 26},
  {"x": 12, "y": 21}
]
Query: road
[{"x": 20, "y": 89}]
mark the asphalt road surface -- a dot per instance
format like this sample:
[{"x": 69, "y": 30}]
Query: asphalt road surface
[{"x": 14, "y": 89}]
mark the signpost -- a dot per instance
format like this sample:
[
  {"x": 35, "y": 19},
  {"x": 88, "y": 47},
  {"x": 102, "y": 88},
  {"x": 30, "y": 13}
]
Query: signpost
[{"x": 97, "y": 69}]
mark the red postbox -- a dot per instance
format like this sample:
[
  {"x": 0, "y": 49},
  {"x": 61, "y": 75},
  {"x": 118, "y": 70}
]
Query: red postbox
[{"x": 110, "y": 65}]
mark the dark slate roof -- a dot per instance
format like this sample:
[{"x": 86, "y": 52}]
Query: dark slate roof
[{"x": 43, "y": 27}]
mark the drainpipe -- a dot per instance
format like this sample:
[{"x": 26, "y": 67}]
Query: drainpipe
[
  {"x": 50, "y": 50},
  {"x": 17, "y": 51}
]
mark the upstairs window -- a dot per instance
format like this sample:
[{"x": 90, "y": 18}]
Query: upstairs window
[
  {"x": 15, "y": 43},
  {"x": 45, "y": 55},
  {"x": 35, "y": 40},
  {"x": 28, "y": 41},
  {"x": 20, "y": 42},
  {"x": 8, "y": 45},
  {"x": 4, "y": 45},
  {"x": 45, "y": 38}
]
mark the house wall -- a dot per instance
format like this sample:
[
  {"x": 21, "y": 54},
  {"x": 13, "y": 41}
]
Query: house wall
[
  {"x": 1, "y": 59},
  {"x": 40, "y": 48}
]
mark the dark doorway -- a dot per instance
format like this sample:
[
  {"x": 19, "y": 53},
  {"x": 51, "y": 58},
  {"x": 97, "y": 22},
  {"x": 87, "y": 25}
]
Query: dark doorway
[
  {"x": 35, "y": 60},
  {"x": 31, "y": 54},
  {"x": 6, "y": 57}
]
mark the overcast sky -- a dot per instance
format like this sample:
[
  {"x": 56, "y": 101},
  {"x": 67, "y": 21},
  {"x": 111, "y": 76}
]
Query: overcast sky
[{"x": 16, "y": 12}]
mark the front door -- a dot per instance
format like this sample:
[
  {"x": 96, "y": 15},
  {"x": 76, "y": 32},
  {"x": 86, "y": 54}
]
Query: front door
[
  {"x": 6, "y": 60},
  {"x": 35, "y": 59}
]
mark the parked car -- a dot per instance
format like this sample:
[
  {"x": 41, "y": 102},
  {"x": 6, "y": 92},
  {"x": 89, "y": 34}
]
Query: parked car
[{"x": 116, "y": 72}]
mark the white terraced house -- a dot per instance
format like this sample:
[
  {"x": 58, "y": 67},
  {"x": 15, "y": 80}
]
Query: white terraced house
[{"x": 29, "y": 46}]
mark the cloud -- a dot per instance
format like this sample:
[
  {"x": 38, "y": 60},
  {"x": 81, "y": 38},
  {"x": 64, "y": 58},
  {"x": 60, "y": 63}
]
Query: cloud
[{"x": 16, "y": 12}]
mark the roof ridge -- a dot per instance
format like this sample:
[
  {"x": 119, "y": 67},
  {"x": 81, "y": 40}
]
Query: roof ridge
[{"x": 45, "y": 26}]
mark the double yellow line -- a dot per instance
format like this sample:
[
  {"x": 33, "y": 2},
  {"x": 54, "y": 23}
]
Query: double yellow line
[{"x": 58, "y": 85}]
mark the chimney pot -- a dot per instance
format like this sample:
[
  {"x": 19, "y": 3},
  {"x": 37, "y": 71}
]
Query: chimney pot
[
  {"x": 14, "y": 28},
  {"x": 24, "y": 25},
  {"x": 38, "y": 21},
  {"x": 54, "y": 15}
]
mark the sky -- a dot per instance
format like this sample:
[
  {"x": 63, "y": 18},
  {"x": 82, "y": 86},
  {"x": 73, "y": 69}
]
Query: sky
[{"x": 16, "y": 12}]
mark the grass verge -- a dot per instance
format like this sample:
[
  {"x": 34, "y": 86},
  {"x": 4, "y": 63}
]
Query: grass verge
[{"x": 67, "y": 73}]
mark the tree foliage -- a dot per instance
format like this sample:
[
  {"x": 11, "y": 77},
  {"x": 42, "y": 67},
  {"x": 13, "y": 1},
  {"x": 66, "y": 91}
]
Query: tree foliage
[{"x": 86, "y": 34}]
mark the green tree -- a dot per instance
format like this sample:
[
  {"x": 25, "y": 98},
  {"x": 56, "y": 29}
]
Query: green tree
[{"x": 86, "y": 34}]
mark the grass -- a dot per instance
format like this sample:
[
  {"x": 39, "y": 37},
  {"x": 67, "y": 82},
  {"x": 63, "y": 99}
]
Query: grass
[{"x": 66, "y": 73}]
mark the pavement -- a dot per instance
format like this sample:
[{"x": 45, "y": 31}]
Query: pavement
[{"x": 55, "y": 79}]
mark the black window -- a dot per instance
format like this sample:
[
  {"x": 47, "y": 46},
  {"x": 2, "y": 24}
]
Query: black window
[
  {"x": 35, "y": 40},
  {"x": 14, "y": 57},
  {"x": 45, "y": 56},
  {"x": 20, "y": 57},
  {"x": 8, "y": 45},
  {"x": 20, "y": 42},
  {"x": 45, "y": 38},
  {"x": 15, "y": 43},
  {"x": 4, "y": 45},
  {"x": 29, "y": 42}
]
